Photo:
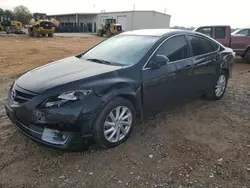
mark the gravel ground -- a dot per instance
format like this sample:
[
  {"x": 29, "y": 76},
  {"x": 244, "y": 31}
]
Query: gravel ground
[{"x": 197, "y": 144}]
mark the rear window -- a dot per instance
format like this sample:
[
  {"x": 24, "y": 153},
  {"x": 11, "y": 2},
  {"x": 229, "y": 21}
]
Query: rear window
[
  {"x": 206, "y": 31},
  {"x": 201, "y": 45},
  {"x": 220, "y": 32}
]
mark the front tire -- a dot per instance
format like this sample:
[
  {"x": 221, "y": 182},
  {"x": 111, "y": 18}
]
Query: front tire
[
  {"x": 30, "y": 32},
  {"x": 219, "y": 88},
  {"x": 247, "y": 56},
  {"x": 115, "y": 123},
  {"x": 108, "y": 33}
]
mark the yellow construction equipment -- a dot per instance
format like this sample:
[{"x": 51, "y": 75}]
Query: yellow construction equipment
[
  {"x": 39, "y": 25},
  {"x": 1, "y": 27},
  {"x": 13, "y": 27},
  {"x": 109, "y": 27}
]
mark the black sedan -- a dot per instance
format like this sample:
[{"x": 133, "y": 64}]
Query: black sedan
[{"x": 100, "y": 93}]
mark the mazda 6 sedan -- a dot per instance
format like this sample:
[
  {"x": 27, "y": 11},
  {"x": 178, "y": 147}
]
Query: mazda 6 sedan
[{"x": 100, "y": 93}]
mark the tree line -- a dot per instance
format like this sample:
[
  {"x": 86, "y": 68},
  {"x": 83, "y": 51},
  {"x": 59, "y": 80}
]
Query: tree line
[{"x": 19, "y": 13}]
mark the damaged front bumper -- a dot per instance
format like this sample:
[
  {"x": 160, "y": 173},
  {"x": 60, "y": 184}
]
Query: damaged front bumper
[
  {"x": 66, "y": 128},
  {"x": 50, "y": 137}
]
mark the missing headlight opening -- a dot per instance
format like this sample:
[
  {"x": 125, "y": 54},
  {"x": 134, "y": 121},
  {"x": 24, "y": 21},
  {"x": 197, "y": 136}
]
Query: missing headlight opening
[{"x": 69, "y": 96}]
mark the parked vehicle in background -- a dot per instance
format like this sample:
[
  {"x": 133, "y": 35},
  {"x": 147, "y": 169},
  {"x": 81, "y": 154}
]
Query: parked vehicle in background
[
  {"x": 109, "y": 27},
  {"x": 238, "y": 40},
  {"x": 13, "y": 27},
  {"x": 1, "y": 27},
  {"x": 102, "y": 91},
  {"x": 39, "y": 25}
]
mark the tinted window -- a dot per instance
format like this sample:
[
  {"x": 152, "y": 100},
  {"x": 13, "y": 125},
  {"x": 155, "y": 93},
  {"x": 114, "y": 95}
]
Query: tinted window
[
  {"x": 202, "y": 46},
  {"x": 220, "y": 32},
  {"x": 175, "y": 48},
  {"x": 206, "y": 31},
  {"x": 243, "y": 32}
]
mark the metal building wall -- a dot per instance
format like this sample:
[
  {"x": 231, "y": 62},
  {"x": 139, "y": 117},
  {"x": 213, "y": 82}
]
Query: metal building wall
[
  {"x": 130, "y": 20},
  {"x": 151, "y": 20},
  {"x": 133, "y": 20}
]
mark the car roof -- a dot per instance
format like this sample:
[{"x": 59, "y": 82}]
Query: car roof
[
  {"x": 156, "y": 32},
  {"x": 214, "y": 26}
]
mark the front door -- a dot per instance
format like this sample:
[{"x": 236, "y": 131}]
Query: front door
[{"x": 168, "y": 84}]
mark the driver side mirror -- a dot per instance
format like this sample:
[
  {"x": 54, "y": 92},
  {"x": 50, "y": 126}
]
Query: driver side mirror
[{"x": 159, "y": 61}]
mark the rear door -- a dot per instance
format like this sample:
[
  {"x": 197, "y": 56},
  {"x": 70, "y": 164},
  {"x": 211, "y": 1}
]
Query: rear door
[{"x": 205, "y": 59}]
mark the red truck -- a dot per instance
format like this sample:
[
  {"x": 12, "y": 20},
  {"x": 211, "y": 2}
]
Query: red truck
[{"x": 238, "y": 40}]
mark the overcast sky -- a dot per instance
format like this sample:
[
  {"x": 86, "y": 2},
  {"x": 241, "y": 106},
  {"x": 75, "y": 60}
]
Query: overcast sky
[{"x": 183, "y": 12}]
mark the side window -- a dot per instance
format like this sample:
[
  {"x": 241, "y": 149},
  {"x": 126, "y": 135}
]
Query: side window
[
  {"x": 244, "y": 32},
  {"x": 202, "y": 46},
  {"x": 206, "y": 31},
  {"x": 175, "y": 48},
  {"x": 220, "y": 32}
]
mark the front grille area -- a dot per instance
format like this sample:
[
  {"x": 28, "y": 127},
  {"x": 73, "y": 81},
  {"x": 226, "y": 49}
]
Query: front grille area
[{"x": 21, "y": 96}]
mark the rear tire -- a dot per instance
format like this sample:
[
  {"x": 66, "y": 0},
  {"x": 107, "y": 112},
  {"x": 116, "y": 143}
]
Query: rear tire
[
  {"x": 36, "y": 33},
  {"x": 43, "y": 35},
  {"x": 247, "y": 56},
  {"x": 120, "y": 126},
  {"x": 100, "y": 33},
  {"x": 50, "y": 35},
  {"x": 219, "y": 87}
]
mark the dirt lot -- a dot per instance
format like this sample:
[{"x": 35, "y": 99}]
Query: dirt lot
[{"x": 199, "y": 144}]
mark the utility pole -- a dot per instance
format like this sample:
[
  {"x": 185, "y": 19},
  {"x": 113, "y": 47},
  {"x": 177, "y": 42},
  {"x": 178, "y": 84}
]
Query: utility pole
[{"x": 133, "y": 17}]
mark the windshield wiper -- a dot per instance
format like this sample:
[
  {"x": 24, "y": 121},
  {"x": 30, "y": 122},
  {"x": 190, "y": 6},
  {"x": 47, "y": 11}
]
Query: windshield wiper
[{"x": 100, "y": 61}]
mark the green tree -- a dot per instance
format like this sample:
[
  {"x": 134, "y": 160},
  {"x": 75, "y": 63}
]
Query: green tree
[
  {"x": 9, "y": 14},
  {"x": 22, "y": 13},
  {"x": 1, "y": 12}
]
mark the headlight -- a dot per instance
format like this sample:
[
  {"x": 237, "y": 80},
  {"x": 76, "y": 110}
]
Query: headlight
[{"x": 69, "y": 96}]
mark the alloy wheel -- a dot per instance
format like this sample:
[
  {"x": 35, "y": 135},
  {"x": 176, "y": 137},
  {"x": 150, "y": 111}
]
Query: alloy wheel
[
  {"x": 220, "y": 85},
  {"x": 118, "y": 124}
]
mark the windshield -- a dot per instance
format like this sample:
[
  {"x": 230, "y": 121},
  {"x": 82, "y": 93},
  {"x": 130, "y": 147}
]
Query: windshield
[{"x": 121, "y": 49}]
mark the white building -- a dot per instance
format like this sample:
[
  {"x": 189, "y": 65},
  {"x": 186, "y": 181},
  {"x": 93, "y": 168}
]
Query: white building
[{"x": 130, "y": 20}]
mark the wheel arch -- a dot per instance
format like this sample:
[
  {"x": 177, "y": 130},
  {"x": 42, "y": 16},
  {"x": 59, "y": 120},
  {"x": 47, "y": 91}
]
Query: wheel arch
[
  {"x": 136, "y": 103},
  {"x": 129, "y": 94},
  {"x": 246, "y": 49}
]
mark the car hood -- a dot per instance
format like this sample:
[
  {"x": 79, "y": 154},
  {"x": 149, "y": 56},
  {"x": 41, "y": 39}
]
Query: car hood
[{"x": 61, "y": 72}]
